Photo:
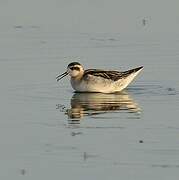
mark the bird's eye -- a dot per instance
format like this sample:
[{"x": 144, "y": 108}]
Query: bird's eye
[{"x": 75, "y": 68}]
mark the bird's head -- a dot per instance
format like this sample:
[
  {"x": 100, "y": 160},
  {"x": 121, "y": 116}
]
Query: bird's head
[{"x": 74, "y": 69}]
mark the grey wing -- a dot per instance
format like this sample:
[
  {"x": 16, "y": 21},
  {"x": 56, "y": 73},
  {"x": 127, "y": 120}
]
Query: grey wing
[{"x": 112, "y": 75}]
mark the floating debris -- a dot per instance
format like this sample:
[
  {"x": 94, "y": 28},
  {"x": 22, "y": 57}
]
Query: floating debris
[
  {"x": 171, "y": 91},
  {"x": 23, "y": 172},
  {"x": 76, "y": 133},
  {"x": 18, "y": 27},
  {"x": 144, "y": 21}
]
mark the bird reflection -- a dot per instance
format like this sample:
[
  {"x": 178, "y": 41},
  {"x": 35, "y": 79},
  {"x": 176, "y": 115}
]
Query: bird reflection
[{"x": 88, "y": 104}]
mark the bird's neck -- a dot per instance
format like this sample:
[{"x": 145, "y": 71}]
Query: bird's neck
[{"x": 78, "y": 77}]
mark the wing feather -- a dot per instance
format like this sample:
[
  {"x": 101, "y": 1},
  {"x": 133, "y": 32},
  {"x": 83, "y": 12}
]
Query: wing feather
[{"x": 112, "y": 75}]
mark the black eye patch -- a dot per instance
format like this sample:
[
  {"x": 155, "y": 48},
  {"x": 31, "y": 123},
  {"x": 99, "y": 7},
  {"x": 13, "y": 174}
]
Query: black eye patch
[{"x": 75, "y": 68}]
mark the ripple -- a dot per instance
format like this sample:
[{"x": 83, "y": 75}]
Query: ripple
[{"x": 153, "y": 90}]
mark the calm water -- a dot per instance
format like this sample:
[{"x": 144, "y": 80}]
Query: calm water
[{"x": 48, "y": 131}]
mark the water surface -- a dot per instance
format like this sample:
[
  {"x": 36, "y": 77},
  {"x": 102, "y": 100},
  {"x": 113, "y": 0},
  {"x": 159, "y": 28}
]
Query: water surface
[{"x": 47, "y": 130}]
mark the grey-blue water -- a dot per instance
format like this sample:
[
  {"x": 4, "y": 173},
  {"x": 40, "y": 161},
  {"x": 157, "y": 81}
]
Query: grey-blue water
[{"x": 49, "y": 132}]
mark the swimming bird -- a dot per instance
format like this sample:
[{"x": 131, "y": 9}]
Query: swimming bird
[{"x": 97, "y": 80}]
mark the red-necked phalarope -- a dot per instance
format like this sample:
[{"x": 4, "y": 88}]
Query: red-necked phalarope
[{"x": 96, "y": 80}]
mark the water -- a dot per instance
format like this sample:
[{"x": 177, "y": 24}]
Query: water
[{"x": 47, "y": 130}]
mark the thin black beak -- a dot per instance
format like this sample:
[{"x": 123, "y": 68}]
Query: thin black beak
[{"x": 61, "y": 76}]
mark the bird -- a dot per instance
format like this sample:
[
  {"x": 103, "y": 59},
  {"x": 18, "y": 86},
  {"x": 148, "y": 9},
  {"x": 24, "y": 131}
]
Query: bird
[{"x": 97, "y": 80}]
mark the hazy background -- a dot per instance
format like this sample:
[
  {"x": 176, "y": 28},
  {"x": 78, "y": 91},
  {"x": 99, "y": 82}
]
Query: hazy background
[{"x": 92, "y": 15}]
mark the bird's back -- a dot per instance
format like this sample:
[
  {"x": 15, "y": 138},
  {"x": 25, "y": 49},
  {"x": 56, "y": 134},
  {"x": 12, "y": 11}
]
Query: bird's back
[{"x": 111, "y": 75}]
